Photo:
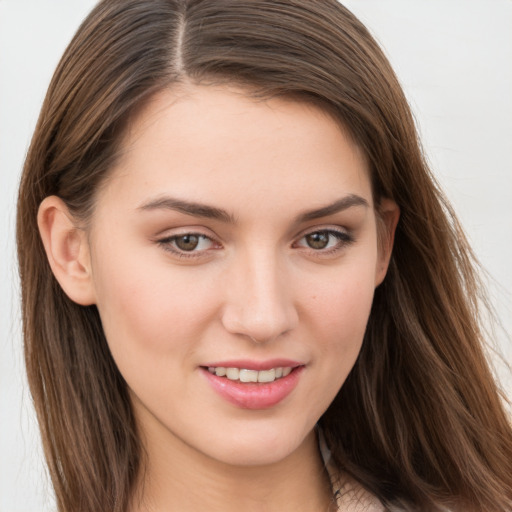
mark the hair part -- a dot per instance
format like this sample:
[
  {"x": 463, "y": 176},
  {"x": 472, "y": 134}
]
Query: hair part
[{"x": 419, "y": 421}]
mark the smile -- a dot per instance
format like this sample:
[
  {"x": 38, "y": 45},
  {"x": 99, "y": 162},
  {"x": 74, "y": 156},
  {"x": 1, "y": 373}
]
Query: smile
[
  {"x": 244, "y": 375},
  {"x": 254, "y": 388}
]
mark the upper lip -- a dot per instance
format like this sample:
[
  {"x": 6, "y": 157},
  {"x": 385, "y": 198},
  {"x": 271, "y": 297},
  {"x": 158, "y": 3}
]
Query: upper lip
[{"x": 247, "y": 364}]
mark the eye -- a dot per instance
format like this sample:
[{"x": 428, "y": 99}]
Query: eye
[
  {"x": 325, "y": 240},
  {"x": 187, "y": 244}
]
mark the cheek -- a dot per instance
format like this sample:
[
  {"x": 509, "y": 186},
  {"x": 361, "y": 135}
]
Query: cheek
[
  {"x": 342, "y": 298},
  {"x": 338, "y": 315},
  {"x": 341, "y": 316},
  {"x": 149, "y": 312}
]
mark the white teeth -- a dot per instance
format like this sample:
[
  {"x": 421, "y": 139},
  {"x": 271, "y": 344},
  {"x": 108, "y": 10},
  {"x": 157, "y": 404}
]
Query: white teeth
[
  {"x": 267, "y": 375},
  {"x": 244, "y": 375},
  {"x": 248, "y": 376},
  {"x": 232, "y": 373}
]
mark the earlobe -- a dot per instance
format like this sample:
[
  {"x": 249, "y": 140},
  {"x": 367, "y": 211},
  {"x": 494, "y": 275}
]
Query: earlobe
[
  {"x": 387, "y": 219},
  {"x": 67, "y": 250}
]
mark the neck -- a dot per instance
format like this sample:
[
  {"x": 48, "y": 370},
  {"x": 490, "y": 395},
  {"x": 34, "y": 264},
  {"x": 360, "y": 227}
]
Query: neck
[{"x": 176, "y": 477}]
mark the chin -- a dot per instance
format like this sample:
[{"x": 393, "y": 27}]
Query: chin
[{"x": 259, "y": 447}]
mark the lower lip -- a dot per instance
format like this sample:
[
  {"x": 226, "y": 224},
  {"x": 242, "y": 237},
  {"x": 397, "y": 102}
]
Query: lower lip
[{"x": 252, "y": 395}]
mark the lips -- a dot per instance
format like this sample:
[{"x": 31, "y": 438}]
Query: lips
[{"x": 252, "y": 385}]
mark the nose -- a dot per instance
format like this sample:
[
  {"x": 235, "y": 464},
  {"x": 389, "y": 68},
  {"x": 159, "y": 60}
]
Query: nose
[{"x": 259, "y": 299}]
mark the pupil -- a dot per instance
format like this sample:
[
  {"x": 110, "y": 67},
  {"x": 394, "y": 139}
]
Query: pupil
[
  {"x": 317, "y": 240},
  {"x": 187, "y": 242}
]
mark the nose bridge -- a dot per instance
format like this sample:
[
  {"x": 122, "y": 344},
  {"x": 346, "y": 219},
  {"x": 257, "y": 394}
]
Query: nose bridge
[{"x": 260, "y": 303}]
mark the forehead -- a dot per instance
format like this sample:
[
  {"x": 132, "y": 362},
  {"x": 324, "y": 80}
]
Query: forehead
[{"x": 222, "y": 145}]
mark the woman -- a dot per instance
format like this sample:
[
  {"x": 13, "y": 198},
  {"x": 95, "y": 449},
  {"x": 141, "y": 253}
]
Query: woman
[{"x": 255, "y": 295}]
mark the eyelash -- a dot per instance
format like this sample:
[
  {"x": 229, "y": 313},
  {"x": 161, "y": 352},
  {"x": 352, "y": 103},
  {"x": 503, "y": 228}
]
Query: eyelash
[
  {"x": 167, "y": 244},
  {"x": 344, "y": 240}
]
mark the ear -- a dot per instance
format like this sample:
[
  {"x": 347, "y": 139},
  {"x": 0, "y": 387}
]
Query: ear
[
  {"x": 67, "y": 250},
  {"x": 388, "y": 214}
]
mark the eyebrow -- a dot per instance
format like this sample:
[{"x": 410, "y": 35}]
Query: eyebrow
[
  {"x": 338, "y": 206},
  {"x": 188, "y": 208},
  {"x": 210, "y": 212}
]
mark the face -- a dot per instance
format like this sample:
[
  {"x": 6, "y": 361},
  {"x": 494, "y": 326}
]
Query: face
[{"x": 234, "y": 237}]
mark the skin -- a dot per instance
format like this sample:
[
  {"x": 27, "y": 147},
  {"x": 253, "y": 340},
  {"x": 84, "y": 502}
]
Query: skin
[{"x": 252, "y": 289}]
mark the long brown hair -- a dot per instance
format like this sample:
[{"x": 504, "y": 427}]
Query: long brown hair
[{"x": 419, "y": 421}]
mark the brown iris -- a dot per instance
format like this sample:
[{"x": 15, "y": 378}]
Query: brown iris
[
  {"x": 187, "y": 242},
  {"x": 318, "y": 240}
]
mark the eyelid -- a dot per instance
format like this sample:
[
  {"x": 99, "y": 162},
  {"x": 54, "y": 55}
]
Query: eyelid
[
  {"x": 345, "y": 238},
  {"x": 166, "y": 242}
]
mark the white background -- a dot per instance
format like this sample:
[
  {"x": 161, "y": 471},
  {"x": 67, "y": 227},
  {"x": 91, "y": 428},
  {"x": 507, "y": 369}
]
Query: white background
[{"x": 454, "y": 59}]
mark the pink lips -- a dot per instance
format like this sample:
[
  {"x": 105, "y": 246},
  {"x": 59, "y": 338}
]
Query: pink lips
[{"x": 253, "y": 395}]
